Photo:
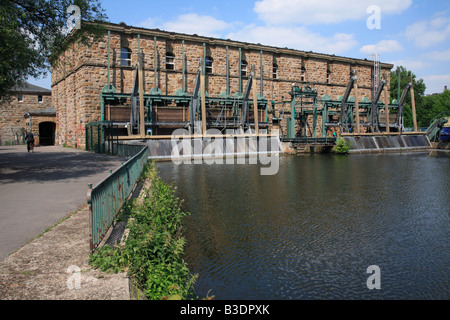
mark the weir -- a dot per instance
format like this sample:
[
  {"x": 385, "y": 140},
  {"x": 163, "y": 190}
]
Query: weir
[
  {"x": 219, "y": 146},
  {"x": 387, "y": 143}
]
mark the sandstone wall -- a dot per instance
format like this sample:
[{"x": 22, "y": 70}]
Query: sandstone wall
[
  {"x": 12, "y": 111},
  {"x": 83, "y": 71}
]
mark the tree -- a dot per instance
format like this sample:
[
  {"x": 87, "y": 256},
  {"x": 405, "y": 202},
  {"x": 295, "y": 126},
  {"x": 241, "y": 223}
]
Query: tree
[
  {"x": 419, "y": 91},
  {"x": 433, "y": 106},
  {"x": 33, "y": 34}
]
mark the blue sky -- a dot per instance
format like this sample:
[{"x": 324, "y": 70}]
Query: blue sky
[{"x": 412, "y": 33}]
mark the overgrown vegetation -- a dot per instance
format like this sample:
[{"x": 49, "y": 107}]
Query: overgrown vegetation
[
  {"x": 342, "y": 146},
  {"x": 153, "y": 252}
]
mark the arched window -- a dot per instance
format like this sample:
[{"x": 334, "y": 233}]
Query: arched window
[
  {"x": 125, "y": 57},
  {"x": 244, "y": 68},
  {"x": 170, "y": 61},
  {"x": 275, "y": 71},
  {"x": 209, "y": 65}
]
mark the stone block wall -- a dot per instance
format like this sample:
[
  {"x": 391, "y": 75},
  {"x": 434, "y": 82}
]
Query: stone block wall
[
  {"x": 82, "y": 72},
  {"x": 12, "y": 114}
]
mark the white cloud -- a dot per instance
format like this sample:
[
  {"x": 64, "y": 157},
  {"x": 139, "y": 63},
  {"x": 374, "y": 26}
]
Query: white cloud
[
  {"x": 436, "y": 83},
  {"x": 382, "y": 47},
  {"x": 439, "y": 55},
  {"x": 299, "y": 38},
  {"x": 322, "y": 12},
  {"x": 427, "y": 33},
  {"x": 410, "y": 64},
  {"x": 193, "y": 23},
  {"x": 149, "y": 23}
]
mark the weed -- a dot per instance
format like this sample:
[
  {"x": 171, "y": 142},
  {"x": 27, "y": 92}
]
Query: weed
[
  {"x": 342, "y": 146},
  {"x": 153, "y": 253}
]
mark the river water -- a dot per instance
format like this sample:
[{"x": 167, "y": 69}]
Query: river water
[{"x": 312, "y": 230}]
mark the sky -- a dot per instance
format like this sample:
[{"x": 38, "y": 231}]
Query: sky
[{"x": 411, "y": 33}]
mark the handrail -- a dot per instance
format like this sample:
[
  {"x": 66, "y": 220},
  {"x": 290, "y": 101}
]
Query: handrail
[{"x": 107, "y": 198}]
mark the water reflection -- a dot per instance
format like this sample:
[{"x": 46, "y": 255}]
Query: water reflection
[{"x": 311, "y": 231}]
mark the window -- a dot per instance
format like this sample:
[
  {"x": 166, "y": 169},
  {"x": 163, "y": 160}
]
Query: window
[
  {"x": 244, "y": 68},
  {"x": 40, "y": 99},
  {"x": 170, "y": 61},
  {"x": 328, "y": 76},
  {"x": 275, "y": 71},
  {"x": 20, "y": 97},
  {"x": 209, "y": 65},
  {"x": 125, "y": 57},
  {"x": 303, "y": 74}
]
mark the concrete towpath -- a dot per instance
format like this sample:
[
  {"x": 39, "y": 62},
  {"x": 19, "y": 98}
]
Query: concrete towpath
[
  {"x": 38, "y": 190},
  {"x": 55, "y": 266}
]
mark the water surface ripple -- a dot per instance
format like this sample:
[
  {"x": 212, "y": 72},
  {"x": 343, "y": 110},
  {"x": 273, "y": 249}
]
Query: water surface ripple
[{"x": 312, "y": 230}]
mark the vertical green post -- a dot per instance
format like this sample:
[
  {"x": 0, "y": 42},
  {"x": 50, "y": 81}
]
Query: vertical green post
[
  {"x": 291, "y": 133},
  {"x": 139, "y": 43},
  {"x": 314, "y": 120},
  {"x": 240, "y": 70},
  {"x": 91, "y": 138},
  {"x": 398, "y": 80},
  {"x": 109, "y": 59},
  {"x": 184, "y": 70},
  {"x": 102, "y": 108},
  {"x": 156, "y": 66},
  {"x": 262, "y": 72},
  {"x": 228, "y": 74},
  {"x": 324, "y": 121},
  {"x": 204, "y": 60}
]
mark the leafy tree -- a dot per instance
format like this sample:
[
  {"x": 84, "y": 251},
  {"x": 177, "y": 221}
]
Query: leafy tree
[
  {"x": 419, "y": 91},
  {"x": 433, "y": 106},
  {"x": 33, "y": 34}
]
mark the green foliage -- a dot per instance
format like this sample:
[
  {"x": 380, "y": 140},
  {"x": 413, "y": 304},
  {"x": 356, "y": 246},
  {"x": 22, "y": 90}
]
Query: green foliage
[
  {"x": 433, "y": 106},
  {"x": 342, "y": 146},
  {"x": 32, "y": 30},
  {"x": 427, "y": 107},
  {"x": 153, "y": 253},
  {"x": 405, "y": 78}
]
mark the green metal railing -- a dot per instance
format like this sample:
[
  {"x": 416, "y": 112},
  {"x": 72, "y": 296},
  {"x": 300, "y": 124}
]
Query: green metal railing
[
  {"x": 102, "y": 137},
  {"x": 107, "y": 198}
]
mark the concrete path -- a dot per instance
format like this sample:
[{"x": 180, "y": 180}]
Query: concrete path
[
  {"x": 38, "y": 189},
  {"x": 55, "y": 266}
]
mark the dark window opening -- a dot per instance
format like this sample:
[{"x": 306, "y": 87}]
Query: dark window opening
[
  {"x": 170, "y": 61},
  {"x": 125, "y": 57}
]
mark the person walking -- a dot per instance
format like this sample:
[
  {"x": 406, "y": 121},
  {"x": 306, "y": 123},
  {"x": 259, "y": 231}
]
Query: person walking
[{"x": 29, "y": 138}]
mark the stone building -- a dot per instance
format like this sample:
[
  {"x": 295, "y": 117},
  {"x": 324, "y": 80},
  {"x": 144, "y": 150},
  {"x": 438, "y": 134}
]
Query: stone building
[
  {"x": 83, "y": 72},
  {"x": 28, "y": 107}
]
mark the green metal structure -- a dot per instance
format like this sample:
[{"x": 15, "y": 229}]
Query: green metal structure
[{"x": 218, "y": 108}]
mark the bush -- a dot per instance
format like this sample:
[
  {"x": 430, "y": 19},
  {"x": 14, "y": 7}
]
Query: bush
[
  {"x": 153, "y": 253},
  {"x": 342, "y": 146}
]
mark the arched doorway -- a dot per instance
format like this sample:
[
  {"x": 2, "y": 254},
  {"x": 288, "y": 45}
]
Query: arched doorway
[{"x": 47, "y": 133}]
